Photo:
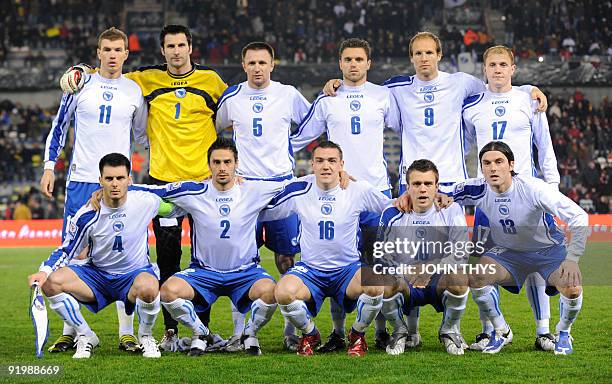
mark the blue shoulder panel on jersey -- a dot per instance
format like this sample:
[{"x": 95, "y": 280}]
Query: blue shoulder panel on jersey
[
  {"x": 470, "y": 101},
  {"x": 388, "y": 216},
  {"x": 83, "y": 222},
  {"x": 58, "y": 130},
  {"x": 470, "y": 191},
  {"x": 229, "y": 92},
  {"x": 397, "y": 81},
  {"x": 293, "y": 189},
  {"x": 308, "y": 115},
  {"x": 172, "y": 190}
]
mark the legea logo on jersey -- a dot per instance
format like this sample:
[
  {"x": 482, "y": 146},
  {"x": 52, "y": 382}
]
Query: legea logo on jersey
[
  {"x": 224, "y": 210},
  {"x": 107, "y": 95},
  {"x": 355, "y": 105},
  {"x": 257, "y": 107},
  {"x": 420, "y": 232},
  {"x": 500, "y": 111},
  {"x": 428, "y": 97},
  {"x": 326, "y": 209},
  {"x": 173, "y": 186},
  {"x": 180, "y": 93},
  {"x": 118, "y": 226},
  {"x": 504, "y": 210}
]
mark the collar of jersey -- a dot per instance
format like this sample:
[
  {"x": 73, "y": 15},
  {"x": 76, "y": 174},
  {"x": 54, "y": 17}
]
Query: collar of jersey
[
  {"x": 508, "y": 191},
  {"x": 193, "y": 68},
  {"x": 427, "y": 212}
]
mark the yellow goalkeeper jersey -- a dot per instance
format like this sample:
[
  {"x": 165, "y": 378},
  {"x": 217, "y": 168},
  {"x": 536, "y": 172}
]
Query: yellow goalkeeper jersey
[{"x": 181, "y": 124}]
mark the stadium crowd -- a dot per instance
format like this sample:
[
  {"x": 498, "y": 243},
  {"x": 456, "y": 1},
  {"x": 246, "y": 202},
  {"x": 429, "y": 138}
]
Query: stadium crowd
[{"x": 580, "y": 130}]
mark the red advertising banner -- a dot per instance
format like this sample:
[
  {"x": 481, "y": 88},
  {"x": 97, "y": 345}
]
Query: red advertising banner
[{"x": 48, "y": 233}]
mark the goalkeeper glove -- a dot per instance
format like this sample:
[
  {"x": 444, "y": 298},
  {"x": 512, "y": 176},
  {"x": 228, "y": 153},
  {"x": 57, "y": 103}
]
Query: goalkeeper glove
[{"x": 73, "y": 80}]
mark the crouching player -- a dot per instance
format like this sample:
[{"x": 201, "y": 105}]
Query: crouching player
[
  {"x": 225, "y": 259},
  {"x": 520, "y": 211},
  {"x": 430, "y": 268},
  {"x": 330, "y": 266},
  {"x": 119, "y": 266}
]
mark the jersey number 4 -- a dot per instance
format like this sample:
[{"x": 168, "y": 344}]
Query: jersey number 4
[{"x": 118, "y": 244}]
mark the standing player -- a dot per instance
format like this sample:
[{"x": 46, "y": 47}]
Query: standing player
[
  {"x": 261, "y": 112},
  {"x": 432, "y": 232},
  {"x": 330, "y": 265},
  {"x": 355, "y": 119},
  {"x": 225, "y": 258},
  {"x": 182, "y": 98},
  {"x": 430, "y": 105},
  {"x": 119, "y": 266},
  {"x": 526, "y": 240},
  {"x": 506, "y": 114},
  {"x": 105, "y": 112}
]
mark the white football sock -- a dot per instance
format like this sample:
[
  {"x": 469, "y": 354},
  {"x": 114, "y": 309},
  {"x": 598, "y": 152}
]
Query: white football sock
[
  {"x": 454, "y": 306},
  {"x": 535, "y": 289},
  {"x": 261, "y": 313},
  {"x": 367, "y": 309},
  {"x": 568, "y": 311},
  {"x": 147, "y": 314},
  {"x": 297, "y": 313},
  {"x": 238, "y": 320},
  {"x": 380, "y": 323},
  {"x": 487, "y": 299},
  {"x": 412, "y": 320},
  {"x": 338, "y": 317},
  {"x": 392, "y": 311},
  {"x": 487, "y": 326},
  {"x": 183, "y": 311},
  {"x": 69, "y": 330},
  {"x": 126, "y": 323},
  {"x": 68, "y": 309}
]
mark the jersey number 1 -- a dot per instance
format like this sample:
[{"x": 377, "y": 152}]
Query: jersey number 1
[{"x": 105, "y": 112}]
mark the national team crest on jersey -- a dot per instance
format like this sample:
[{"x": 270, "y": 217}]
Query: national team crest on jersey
[
  {"x": 420, "y": 232},
  {"x": 326, "y": 209},
  {"x": 118, "y": 226},
  {"x": 355, "y": 105},
  {"x": 107, "y": 95},
  {"x": 504, "y": 210},
  {"x": 428, "y": 97},
  {"x": 224, "y": 210},
  {"x": 180, "y": 93},
  {"x": 72, "y": 228},
  {"x": 257, "y": 107},
  {"x": 500, "y": 111}
]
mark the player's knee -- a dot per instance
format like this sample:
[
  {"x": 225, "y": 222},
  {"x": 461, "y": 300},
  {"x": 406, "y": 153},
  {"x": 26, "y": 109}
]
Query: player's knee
[
  {"x": 169, "y": 292},
  {"x": 457, "y": 290},
  {"x": 285, "y": 294},
  {"x": 478, "y": 280},
  {"x": 570, "y": 292},
  {"x": 264, "y": 290},
  {"x": 53, "y": 285},
  {"x": 373, "y": 290}
]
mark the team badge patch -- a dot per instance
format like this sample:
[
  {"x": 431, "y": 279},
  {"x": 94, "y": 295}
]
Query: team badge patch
[
  {"x": 355, "y": 105},
  {"x": 326, "y": 209},
  {"x": 504, "y": 210},
  {"x": 180, "y": 93},
  {"x": 72, "y": 228},
  {"x": 428, "y": 97},
  {"x": 257, "y": 107},
  {"x": 420, "y": 232},
  {"x": 500, "y": 111},
  {"x": 107, "y": 95},
  {"x": 118, "y": 226},
  {"x": 224, "y": 210}
]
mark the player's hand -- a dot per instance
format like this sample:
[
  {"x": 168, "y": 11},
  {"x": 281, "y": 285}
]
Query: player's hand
[
  {"x": 570, "y": 274},
  {"x": 538, "y": 95},
  {"x": 331, "y": 86},
  {"x": 73, "y": 80},
  {"x": 403, "y": 203},
  {"x": 46, "y": 183},
  {"x": 94, "y": 200},
  {"x": 39, "y": 277},
  {"x": 442, "y": 201},
  {"x": 345, "y": 179},
  {"x": 422, "y": 278}
]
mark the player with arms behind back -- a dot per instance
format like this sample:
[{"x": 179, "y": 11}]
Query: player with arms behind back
[
  {"x": 106, "y": 111},
  {"x": 506, "y": 114}
]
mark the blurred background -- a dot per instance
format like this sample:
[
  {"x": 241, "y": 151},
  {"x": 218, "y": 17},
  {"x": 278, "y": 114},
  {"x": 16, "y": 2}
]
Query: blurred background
[{"x": 562, "y": 46}]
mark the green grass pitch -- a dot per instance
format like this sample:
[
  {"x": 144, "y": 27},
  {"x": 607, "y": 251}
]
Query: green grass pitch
[{"x": 519, "y": 362}]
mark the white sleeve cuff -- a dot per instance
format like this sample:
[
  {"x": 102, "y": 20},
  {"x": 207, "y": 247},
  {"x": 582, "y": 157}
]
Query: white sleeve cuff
[
  {"x": 50, "y": 165},
  {"x": 46, "y": 269}
]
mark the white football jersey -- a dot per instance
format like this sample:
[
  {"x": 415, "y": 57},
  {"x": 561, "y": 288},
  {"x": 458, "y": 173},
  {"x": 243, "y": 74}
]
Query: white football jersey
[
  {"x": 510, "y": 117},
  {"x": 521, "y": 218},
  {"x": 117, "y": 237},
  {"x": 329, "y": 220},
  {"x": 446, "y": 226},
  {"x": 430, "y": 120},
  {"x": 223, "y": 232},
  {"x": 104, "y": 111},
  {"x": 354, "y": 119},
  {"x": 261, "y": 120}
]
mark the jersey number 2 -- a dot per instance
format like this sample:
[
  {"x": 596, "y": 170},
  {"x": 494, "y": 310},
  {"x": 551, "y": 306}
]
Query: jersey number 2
[{"x": 225, "y": 224}]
